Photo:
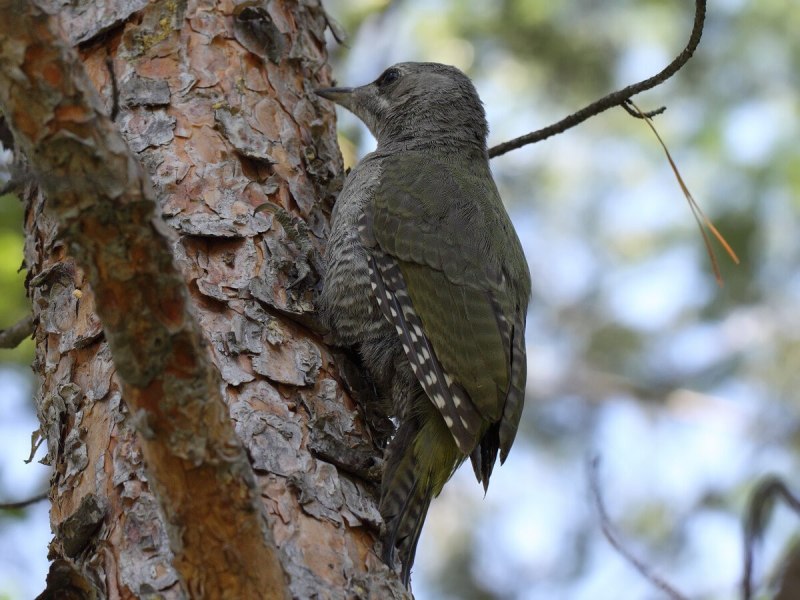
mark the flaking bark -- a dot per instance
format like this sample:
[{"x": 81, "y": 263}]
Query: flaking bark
[
  {"x": 139, "y": 413},
  {"x": 104, "y": 207}
]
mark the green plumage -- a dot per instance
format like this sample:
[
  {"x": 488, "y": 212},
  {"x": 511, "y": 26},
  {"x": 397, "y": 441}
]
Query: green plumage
[
  {"x": 427, "y": 277},
  {"x": 431, "y": 219},
  {"x": 435, "y": 220}
]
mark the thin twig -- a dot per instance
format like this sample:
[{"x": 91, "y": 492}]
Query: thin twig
[
  {"x": 617, "y": 98},
  {"x": 642, "y": 115},
  {"x": 338, "y": 32},
  {"x": 14, "y": 335},
  {"x": 613, "y": 538},
  {"x": 8, "y": 187},
  {"x": 23, "y": 503},
  {"x": 769, "y": 490}
]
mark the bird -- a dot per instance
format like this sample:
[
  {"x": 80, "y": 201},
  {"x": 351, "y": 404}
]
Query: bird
[{"x": 426, "y": 278}]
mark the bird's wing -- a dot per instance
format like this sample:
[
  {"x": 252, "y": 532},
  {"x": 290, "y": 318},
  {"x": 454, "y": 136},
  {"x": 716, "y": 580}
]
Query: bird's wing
[{"x": 439, "y": 284}]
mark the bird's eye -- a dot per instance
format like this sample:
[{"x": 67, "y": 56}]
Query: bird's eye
[{"x": 389, "y": 76}]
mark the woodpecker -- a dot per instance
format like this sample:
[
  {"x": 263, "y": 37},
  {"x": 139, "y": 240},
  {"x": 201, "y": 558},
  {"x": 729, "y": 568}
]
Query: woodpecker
[{"x": 426, "y": 277}]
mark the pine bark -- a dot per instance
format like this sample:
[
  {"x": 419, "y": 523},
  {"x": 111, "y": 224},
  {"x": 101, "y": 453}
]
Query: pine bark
[{"x": 205, "y": 441}]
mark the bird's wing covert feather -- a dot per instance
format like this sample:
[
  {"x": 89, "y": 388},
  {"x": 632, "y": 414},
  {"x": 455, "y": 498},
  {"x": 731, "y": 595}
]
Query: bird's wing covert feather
[{"x": 445, "y": 291}]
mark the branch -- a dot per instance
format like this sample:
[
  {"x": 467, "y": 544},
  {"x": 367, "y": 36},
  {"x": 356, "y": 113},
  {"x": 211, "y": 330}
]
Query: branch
[
  {"x": 106, "y": 210},
  {"x": 14, "y": 335},
  {"x": 612, "y": 536},
  {"x": 23, "y": 503},
  {"x": 765, "y": 495},
  {"x": 618, "y": 98}
]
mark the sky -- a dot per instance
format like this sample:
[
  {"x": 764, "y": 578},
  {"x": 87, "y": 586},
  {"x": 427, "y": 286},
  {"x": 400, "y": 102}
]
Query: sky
[{"x": 23, "y": 542}]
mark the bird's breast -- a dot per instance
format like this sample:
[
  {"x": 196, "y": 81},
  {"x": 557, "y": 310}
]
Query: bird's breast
[{"x": 347, "y": 298}]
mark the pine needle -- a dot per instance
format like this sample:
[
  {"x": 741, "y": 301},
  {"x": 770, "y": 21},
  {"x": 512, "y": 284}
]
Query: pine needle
[{"x": 703, "y": 222}]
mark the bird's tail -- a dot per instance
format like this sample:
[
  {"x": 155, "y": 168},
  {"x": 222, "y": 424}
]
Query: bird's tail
[{"x": 420, "y": 459}]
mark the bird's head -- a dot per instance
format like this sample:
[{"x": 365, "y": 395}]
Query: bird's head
[{"x": 416, "y": 104}]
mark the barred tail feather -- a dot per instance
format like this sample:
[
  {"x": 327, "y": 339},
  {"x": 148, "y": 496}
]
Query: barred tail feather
[
  {"x": 404, "y": 500},
  {"x": 420, "y": 459}
]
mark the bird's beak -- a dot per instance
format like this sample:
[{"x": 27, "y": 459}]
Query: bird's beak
[{"x": 342, "y": 96}]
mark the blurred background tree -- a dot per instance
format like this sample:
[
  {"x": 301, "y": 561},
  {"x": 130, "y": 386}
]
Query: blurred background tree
[{"x": 686, "y": 390}]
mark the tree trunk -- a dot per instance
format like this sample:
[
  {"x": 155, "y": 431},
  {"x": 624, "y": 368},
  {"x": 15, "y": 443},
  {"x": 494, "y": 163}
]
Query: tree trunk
[{"x": 153, "y": 493}]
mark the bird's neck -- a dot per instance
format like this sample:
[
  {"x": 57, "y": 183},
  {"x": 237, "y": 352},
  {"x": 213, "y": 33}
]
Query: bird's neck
[{"x": 454, "y": 144}]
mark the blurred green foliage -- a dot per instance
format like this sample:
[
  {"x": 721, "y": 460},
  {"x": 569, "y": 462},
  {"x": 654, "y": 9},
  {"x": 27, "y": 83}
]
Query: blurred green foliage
[{"x": 14, "y": 304}]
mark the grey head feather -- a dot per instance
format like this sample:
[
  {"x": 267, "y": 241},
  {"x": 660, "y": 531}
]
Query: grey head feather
[{"x": 415, "y": 105}]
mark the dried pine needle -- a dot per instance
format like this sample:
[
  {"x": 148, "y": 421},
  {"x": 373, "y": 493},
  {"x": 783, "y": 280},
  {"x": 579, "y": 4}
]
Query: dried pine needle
[{"x": 703, "y": 222}]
